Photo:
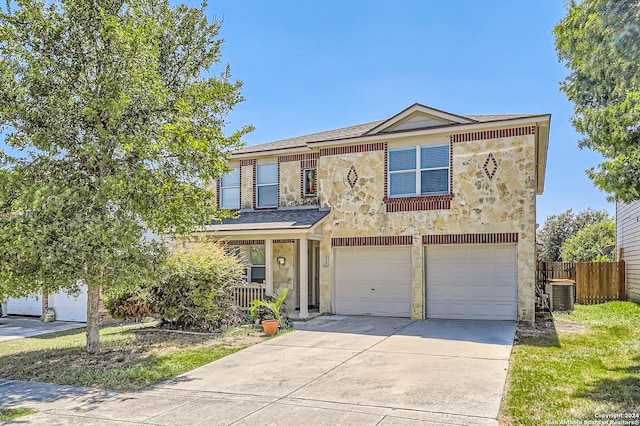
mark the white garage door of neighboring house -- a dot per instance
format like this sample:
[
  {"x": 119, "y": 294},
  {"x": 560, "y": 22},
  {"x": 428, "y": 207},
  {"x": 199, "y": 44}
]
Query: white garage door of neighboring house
[
  {"x": 25, "y": 306},
  {"x": 373, "y": 281},
  {"x": 70, "y": 307},
  {"x": 471, "y": 281}
]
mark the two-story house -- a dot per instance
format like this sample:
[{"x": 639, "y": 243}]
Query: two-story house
[{"x": 426, "y": 214}]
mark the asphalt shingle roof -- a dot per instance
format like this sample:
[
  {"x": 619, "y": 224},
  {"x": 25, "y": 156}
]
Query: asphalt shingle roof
[
  {"x": 301, "y": 141},
  {"x": 350, "y": 132},
  {"x": 271, "y": 219}
]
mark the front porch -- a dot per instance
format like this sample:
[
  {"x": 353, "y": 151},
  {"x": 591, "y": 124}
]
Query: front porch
[{"x": 280, "y": 249}]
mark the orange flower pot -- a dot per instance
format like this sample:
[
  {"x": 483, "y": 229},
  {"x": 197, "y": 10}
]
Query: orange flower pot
[{"x": 270, "y": 327}]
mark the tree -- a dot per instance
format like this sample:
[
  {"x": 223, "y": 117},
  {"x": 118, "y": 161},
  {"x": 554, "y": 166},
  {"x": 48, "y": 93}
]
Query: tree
[
  {"x": 119, "y": 130},
  {"x": 558, "y": 228},
  {"x": 599, "y": 40},
  {"x": 587, "y": 244}
]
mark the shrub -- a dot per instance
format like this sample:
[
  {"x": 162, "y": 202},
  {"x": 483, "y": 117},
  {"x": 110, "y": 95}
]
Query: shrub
[
  {"x": 126, "y": 304},
  {"x": 196, "y": 291}
]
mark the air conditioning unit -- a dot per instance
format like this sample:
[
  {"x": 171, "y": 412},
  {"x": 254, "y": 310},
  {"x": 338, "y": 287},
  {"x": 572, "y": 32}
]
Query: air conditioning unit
[{"x": 560, "y": 296}]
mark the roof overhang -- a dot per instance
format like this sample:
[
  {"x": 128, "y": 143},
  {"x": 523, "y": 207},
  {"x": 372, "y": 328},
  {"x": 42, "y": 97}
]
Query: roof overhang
[
  {"x": 285, "y": 223},
  {"x": 542, "y": 148}
]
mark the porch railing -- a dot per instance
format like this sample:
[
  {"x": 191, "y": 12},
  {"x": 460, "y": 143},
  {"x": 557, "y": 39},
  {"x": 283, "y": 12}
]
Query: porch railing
[{"x": 245, "y": 294}]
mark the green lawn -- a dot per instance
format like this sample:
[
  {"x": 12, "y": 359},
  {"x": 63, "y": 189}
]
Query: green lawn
[
  {"x": 130, "y": 358},
  {"x": 13, "y": 413},
  {"x": 586, "y": 366}
]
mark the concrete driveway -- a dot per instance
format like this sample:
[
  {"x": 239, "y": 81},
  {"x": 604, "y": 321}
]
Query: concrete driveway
[
  {"x": 331, "y": 371},
  {"x": 16, "y": 327}
]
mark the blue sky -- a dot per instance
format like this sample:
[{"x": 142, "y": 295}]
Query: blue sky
[
  {"x": 313, "y": 66},
  {"x": 309, "y": 66}
]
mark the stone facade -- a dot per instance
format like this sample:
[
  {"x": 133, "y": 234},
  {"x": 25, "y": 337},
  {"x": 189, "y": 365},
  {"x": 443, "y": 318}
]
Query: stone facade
[
  {"x": 493, "y": 186},
  {"x": 498, "y": 202},
  {"x": 285, "y": 276},
  {"x": 246, "y": 187}
]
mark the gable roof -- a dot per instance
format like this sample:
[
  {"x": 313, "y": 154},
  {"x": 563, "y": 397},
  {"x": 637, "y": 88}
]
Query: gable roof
[{"x": 438, "y": 119}]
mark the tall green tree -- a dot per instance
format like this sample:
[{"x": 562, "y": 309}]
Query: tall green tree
[
  {"x": 599, "y": 41},
  {"x": 589, "y": 243},
  {"x": 558, "y": 228},
  {"x": 118, "y": 112}
]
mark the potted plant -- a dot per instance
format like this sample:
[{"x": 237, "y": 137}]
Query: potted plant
[{"x": 270, "y": 311}]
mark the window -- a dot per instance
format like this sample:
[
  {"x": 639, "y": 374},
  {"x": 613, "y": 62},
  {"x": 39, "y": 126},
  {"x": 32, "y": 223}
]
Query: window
[
  {"x": 257, "y": 270},
  {"x": 267, "y": 182},
  {"x": 309, "y": 182},
  {"x": 230, "y": 190},
  {"x": 419, "y": 171}
]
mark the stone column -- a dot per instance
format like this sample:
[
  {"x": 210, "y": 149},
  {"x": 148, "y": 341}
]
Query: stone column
[
  {"x": 268, "y": 265},
  {"x": 304, "y": 277}
]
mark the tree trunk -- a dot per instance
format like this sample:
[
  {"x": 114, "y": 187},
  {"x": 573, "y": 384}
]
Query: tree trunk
[{"x": 93, "y": 319}]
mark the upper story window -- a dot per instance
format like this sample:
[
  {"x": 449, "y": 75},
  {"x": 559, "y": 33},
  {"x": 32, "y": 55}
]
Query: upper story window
[
  {"x": 419, "y": 171},
  {"x": 230, "y": 190},
  {"x": 309, "y": 182},
  {"x": 267, "y": 185}
]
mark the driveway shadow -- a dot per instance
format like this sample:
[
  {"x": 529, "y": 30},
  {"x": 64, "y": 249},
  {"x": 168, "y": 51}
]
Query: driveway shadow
[{"x": 490, "y": 332}]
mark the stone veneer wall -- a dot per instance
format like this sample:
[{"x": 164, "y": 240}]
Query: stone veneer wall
[
  {"x": 246, "y": 187},
  {"x": 290, "y": 184},
  {"x": 483, "y": 202},
  {"x": 285, "y": 276}
]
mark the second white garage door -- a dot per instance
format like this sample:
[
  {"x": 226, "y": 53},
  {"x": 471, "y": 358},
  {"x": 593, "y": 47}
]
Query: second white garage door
[
  {"x": 373, "y": 281},
  {"x": 70, "y": 307},
  {"x": 471, "y": 281}
]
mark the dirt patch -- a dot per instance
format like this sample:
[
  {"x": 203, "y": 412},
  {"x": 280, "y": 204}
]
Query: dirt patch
[
  {"x": 546, "y": 324},
  {"x": 240, "y": 340}
]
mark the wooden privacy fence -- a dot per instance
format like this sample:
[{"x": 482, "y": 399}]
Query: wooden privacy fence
[
  {"x": 245, "y": 294},
  {"x": 596, "y": 282}
]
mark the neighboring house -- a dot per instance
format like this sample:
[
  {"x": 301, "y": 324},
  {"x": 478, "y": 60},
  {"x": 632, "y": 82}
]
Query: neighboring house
[
  {"x": 426, "y": 214},
  {"x": 628, "y": 245},
  {"x": 68, "y": 307}
]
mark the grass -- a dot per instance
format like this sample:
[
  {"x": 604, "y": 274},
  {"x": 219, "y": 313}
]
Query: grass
[
  {"x": 14, "y": 413},
  {"x": 130, "y": 358},
  {"x": 584, "y": 367}
]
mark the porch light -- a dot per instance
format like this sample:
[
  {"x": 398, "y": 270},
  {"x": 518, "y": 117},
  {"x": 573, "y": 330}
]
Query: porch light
[{"x": 281, "y": 261}]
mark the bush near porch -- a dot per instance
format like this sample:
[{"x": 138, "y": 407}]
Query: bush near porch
[
  {"x": 194, "y": 291},
  {"x": 581, "y": 366}
]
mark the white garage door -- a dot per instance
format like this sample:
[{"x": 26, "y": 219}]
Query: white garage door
[
  {"x": 373, "y": 281},
  {"x": 70, "y": 307},
  {"x": 471, "y": 281},
  {"x": 25, "y": 306}
]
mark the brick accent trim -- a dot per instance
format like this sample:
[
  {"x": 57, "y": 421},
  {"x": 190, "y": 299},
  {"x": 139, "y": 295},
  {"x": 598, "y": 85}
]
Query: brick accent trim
[
  {"x": 255, "y": 184},
  {"x": 218, "y": 192},
  {"x": 243, "y": 242},
  {"x": 309, "y": 164},
  {"x": 398, "y": 240},
  {"x": 366, "y": 147},
  {"x": 505, "y": 237},
  {"x": 285, "y": 241},
  {"x": 410, "y": 204},
  {"x": 249, "y": 162},
  {"x": 298, "y": 157},
  {"x": 493, "y": 134}
]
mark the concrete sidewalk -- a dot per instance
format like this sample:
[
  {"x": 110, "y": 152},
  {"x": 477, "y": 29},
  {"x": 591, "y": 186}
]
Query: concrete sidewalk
[{"x": 332, "y": 371}]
